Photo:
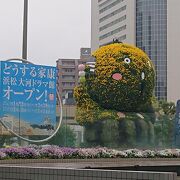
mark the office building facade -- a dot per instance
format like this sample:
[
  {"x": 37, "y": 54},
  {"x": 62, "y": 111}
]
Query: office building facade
[
  {"x": 112, "y": 19},
  {"x": 151, "y": 25},
  {"x": 151, "y": 36},
  {"x": 68, "y": 74}
]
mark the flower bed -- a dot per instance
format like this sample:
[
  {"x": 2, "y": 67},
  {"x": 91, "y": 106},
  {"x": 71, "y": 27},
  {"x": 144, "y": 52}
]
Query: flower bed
[{"x": 55, "y": 152}]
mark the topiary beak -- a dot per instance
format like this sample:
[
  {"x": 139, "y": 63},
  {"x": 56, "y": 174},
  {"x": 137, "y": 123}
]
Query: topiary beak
[{"x": 117, "y": 76}]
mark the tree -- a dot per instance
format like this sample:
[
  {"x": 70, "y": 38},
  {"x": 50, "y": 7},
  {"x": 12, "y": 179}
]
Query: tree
[
  {"x": 6, "y": 140},
  {"x": 165, "y": 124},
  {"x": 2, "y": 140},
  {"x": 168, "y": 108}
]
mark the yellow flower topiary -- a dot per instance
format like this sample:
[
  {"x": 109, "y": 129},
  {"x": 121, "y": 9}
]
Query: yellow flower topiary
[
  {"x": 123, "y": 79},
  {"x": 114, "y": 99}
]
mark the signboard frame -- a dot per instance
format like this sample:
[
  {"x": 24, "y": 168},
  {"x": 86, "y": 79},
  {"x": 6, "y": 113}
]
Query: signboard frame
[{"x": 60, "y": 108}]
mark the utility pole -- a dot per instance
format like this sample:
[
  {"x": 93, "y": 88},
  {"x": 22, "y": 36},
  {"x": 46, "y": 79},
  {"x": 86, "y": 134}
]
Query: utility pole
[{"x": 25, "y": 28}]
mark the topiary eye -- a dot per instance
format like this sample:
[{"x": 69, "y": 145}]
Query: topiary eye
[
  {"x": 149, "y": 64},
  {"x": 127, "y": 60}
]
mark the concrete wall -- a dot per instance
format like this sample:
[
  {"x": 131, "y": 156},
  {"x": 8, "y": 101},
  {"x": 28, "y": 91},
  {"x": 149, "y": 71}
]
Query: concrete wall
[
  {"x": 173, "y": 53},
  {"x": 31, "y": 173}
]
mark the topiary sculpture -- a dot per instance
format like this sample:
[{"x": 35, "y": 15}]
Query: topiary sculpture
[{"x": 117, "y": 92}]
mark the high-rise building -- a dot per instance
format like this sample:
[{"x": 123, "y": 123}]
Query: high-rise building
[
  {"x": 67, "y": 77},
  {"x": 151, "y": 25},
  {"x": 112, "y": 19},
  {"x": 151, "y": 36}
]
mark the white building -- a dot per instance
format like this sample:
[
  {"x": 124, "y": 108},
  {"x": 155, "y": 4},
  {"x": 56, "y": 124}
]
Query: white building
[
  {"x": 112, "y": 19},
  {"x": 173, "y": 50}
]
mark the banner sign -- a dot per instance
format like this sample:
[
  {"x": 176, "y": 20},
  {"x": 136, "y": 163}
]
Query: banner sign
[{"x": 28, "y": 98}]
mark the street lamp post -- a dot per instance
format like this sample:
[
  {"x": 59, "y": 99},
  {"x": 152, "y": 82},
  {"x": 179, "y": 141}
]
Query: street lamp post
[
  {"x": 68, "y": 96},
  {"x": 19, "y": 120},
  {"x": 66, "y": 127},
  {"x": 65, "y": 106},
  {"x": 25, "y": 27},
  {"x": 19, "y": 124}
]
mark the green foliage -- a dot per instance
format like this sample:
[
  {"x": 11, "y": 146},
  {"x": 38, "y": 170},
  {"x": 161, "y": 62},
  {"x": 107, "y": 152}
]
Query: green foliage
[
  {"x": 8, "y": 140},
  {"x": 93, "y": 134},
  {"x": 64, "y": 137},
  {"x": 127, "y": 133},
  {"x": 87, "y": 109},
  {"x": 110, "y": 133},
  {"x": 136, "y": 132},
  {"x": 163, "y": 132},
  {"x": 131, "y": 131},
  {"x": 165, "y": 123},
  {"x": 2, "y": 140},
  {"x": 168, "y": 108},
  {"x": 151, "y": 134}
]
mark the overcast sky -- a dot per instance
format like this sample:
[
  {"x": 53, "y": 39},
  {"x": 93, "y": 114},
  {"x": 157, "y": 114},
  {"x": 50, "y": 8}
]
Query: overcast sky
[{"x": 57, "y": 29}]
